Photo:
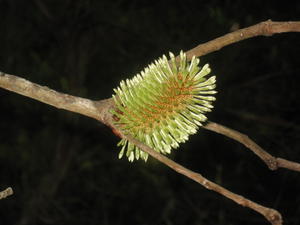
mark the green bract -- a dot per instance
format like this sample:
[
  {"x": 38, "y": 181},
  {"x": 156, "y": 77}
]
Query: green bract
[{"x": 163, "y": 104}]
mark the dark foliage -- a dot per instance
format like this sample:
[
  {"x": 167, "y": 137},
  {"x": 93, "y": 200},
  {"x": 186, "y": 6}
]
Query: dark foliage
[{"x": 64, "y": 167}]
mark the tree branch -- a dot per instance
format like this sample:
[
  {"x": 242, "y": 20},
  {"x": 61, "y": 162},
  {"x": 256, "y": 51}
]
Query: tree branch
[
  {"x": 272, "y": 162},
  {"x": 99, "y": 110},
  {"x": 5, "y": 193},
  {"x": 266, "y": 28},
  {"x": 94, "y": 109},
  {"x": 272, "y": 215}
]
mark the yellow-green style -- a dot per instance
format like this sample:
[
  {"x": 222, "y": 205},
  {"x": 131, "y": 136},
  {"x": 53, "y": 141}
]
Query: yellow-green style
[{"x": 163, "y": 104}]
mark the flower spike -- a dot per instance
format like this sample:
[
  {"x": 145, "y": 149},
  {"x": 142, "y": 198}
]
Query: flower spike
[{"x": 163, "y": 105}]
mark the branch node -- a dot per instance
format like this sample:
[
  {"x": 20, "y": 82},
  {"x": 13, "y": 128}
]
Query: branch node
[
  {"x": 267, "y": 28},
  {"x": 274, "y": 217},
  {"x": 272, "y": 163}
]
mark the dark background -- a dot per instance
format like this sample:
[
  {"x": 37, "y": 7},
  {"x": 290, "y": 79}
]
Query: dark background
[{"x": 63, "y": 167}]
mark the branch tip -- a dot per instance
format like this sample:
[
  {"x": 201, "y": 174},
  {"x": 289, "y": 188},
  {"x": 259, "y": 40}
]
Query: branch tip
[{"x": 5, "y": 193}]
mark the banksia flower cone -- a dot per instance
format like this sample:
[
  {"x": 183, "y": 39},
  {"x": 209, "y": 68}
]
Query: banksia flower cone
[{"x": 163, "y": 105}]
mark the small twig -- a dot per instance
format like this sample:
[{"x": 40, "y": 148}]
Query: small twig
[
  {"x": 272, "y": 162},
  {"x": 7, "y": 192},
  {"x": 283, "y": 163},
  {"x": 272, "y": 215},
  {"x": 267, "y": 28}
]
